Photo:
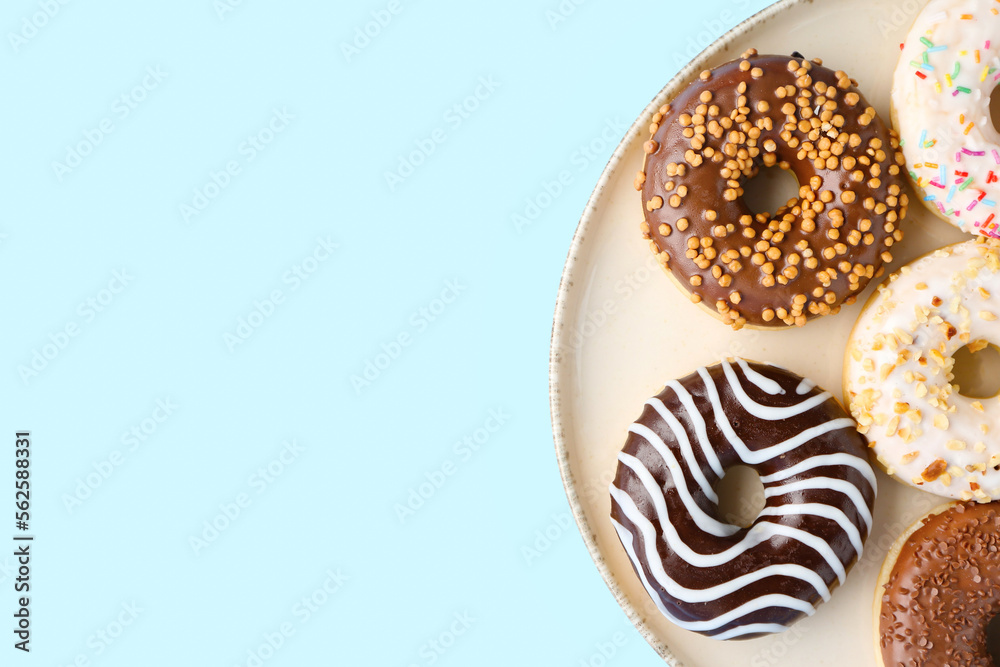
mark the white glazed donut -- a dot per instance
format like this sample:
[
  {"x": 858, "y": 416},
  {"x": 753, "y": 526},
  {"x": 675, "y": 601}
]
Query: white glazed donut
[
  {"x": 949, "y": 66},
  {"x": 898, "y": 372}
]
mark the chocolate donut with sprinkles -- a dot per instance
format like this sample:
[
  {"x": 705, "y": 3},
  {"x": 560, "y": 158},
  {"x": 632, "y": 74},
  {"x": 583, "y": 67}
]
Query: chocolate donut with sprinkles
[
  {"x": 810, "y": 256},
  {"x": 712, "y": 577},
  {"x": 939, "y": 589}
]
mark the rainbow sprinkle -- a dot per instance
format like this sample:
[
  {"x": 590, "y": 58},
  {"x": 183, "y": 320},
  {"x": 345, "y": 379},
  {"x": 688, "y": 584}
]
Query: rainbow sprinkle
[{"x": 961, "y": 73}]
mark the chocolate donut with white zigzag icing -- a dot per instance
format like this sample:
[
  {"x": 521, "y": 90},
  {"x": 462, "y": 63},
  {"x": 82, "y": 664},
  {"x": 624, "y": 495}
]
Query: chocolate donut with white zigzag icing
[{"x": 715, "y": 578}]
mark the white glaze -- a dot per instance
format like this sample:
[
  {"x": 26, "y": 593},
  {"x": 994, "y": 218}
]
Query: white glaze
[
  {"x": 900, "y": 357},
  {"x": 943, "y": 119}
]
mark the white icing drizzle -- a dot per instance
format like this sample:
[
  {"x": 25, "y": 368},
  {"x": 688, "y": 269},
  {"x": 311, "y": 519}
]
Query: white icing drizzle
[
  {"x": 699, "y": 425},
  {"x": 657, "y": 581},
  {"x": 628, "y": 539},
  {"x": 805, "y": 386},
  {"x": 674, "y": 541},
  {"x": 759, "y": 456},
  {"x": 759, "y": 532},
  {"x": 763, "y": 383},
  {"x": 825, "y": 483},
  {"x": 690, "y": 462},
  {"x": 703, "y": 521},
  {"x": 838, "y": 459},
  {"x": 679, "y": 547},
  {"x": 825, "y": 511},
  {"x": 764, "y": 411}
]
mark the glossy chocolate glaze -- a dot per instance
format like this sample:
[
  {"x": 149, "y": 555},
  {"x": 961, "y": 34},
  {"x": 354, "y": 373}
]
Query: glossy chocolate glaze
[
  {"x": 843, "y": 442},
  {"x": 943, "y": 591},
  {"x": 807, "y": 258}
]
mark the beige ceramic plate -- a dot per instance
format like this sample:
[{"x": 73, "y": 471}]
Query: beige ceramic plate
[{"x": 622, "y": 330}]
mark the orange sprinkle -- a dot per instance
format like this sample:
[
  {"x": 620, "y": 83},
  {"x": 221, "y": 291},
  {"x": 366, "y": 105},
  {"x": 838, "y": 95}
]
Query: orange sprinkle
[
  {"x": 969, "y": 128},
  {"x": 966, "y": 17},
  {"x": 961, "y": 118},
  {"x": 931, "y": 164},
  {"x": 977, "y": 55}
]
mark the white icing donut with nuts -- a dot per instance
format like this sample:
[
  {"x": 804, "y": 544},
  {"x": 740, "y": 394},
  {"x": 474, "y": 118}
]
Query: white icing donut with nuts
[
  {"x": 898, "y": 380},
  {"x": 948, "y": 68}
]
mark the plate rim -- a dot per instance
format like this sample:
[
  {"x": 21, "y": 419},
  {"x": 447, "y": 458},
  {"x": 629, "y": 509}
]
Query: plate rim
[{"x": 557, "y": 340}]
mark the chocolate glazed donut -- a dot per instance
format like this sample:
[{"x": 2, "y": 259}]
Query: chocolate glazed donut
[
  {"x": 721, "y": 580},
  {"x": 940, "y": 588},
  {"x": 813, "y": 254}
]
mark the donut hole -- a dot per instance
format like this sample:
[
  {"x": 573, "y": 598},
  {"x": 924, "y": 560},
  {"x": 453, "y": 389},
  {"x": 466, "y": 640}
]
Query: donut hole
[
  {"x": 741, "y": 496},
  {"x": 993, "y": 639},
  {"x": 977, "y": 373},
  {"x": 770, "y": 189},
  {"x": 995, "y": 108}
]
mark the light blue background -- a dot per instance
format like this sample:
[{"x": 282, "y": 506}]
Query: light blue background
[{"x": 124, "y": 537}]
